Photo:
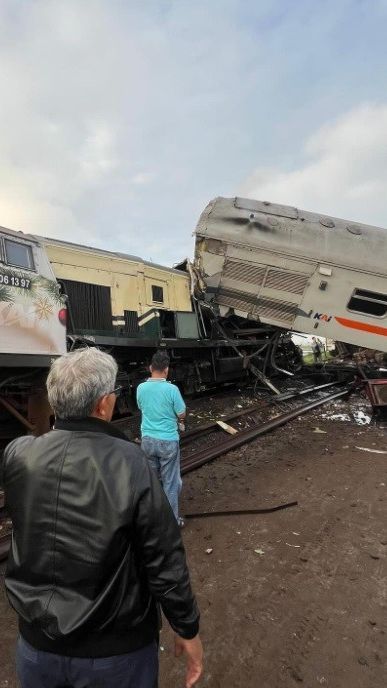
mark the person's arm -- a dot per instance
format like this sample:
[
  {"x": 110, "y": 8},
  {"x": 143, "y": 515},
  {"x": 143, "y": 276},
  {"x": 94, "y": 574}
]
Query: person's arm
[
  {"x": 179, "y": 407},
  {"x": 138, "y": 397},
  {"x": 160, "y": 548}
]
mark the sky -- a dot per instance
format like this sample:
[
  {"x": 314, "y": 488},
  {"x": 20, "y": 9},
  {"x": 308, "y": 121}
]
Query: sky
[{"x": 121, "y": 119}]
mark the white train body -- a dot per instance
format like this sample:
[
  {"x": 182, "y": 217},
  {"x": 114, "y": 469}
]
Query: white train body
[
  {"x": 32, "y": 312},
  {"x": 297, "y": 270}
]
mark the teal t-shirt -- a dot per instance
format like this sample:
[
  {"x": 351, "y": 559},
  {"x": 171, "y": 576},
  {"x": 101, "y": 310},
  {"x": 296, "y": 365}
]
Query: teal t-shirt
[{"x": 160, "y": 403}]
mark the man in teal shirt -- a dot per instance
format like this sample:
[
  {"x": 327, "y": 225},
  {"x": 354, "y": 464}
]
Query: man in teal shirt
[{"x": 163, "y": 410}]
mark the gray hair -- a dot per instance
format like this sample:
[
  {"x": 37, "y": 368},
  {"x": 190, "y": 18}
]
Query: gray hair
[{"x": 78, "y": 379}]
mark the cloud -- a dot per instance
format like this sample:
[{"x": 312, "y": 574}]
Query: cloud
[
  {"x": 344, "y": 172},
  {"x": 120, "y": 120},
  {"x": 143, "y": 178}
]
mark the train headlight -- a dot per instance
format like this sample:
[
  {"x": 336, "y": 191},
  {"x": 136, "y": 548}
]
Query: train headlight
[{"x": 62, "y": 315}]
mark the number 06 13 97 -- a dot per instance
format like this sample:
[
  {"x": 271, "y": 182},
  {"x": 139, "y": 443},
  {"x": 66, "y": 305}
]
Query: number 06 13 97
[{"x": 8, "y": 280}]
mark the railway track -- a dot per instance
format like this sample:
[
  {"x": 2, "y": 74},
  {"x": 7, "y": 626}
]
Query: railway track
[
  {"x": 281, "y": 401},
  {"x": 207, "y": 442}
]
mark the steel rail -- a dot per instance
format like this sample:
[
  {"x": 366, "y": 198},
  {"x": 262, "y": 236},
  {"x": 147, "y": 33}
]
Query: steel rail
[
  {"x": 206, "y": 455},
  {"x": 184, "y": 439},
  {"x": 14, "y": 412}
]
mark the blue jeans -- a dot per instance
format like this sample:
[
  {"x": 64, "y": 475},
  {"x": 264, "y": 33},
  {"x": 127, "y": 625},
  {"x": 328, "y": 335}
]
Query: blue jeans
[
  {"x": 38, "y": 669},
  {"x": 164, "y": 457}
]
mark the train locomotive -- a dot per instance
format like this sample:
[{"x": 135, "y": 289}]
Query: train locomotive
[
  {"x": 260, "y": 271},
  {"x": 33, "y": 330}
]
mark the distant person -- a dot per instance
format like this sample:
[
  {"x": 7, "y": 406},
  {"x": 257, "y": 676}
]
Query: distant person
[
  {"x": 163, "y": 412},
  {"x": 316, "y": 348},
  {"x": 95, "y": 546}
]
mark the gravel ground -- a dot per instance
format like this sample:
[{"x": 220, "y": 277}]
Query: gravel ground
[{"x": 296, "y": 597}]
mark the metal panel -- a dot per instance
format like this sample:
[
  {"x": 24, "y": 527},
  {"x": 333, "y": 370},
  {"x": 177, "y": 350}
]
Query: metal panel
[
  {"x": 186, "y": 326},
  {"x": 131, "y": 322},
  {"x": 273, "y": 309},
  {"x": 244, "y": 272},
  {"x": 286, "y": 281},
  {"x": 236, "y": 299},
  {"x": 89, "y": 305},
  {"x": 266, "y": 207}
]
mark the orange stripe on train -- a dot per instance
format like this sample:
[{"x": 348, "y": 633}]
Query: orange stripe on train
[{"x": 365, "y": 327}]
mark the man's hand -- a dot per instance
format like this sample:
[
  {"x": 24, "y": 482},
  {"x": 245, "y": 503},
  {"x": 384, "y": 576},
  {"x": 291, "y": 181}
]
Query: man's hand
[{"x": 194, "y": 651}]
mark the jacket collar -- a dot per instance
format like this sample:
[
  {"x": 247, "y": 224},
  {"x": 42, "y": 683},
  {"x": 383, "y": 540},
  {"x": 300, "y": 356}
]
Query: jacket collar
[{"x": 89, "y": 424}]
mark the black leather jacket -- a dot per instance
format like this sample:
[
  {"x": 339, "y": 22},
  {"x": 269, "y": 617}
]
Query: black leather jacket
[{"x": 95, "y": 544}]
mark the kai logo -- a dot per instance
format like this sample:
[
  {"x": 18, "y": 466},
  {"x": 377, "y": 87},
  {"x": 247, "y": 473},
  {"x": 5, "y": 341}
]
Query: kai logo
[{"x": 322, "y": 317}]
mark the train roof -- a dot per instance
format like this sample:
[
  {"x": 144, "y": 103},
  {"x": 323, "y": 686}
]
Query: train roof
[
  {"x": 19, "y": 234},
  {"x": 38, "y": 239},
  {"x": 103, "y": 252},
  {"x": 305, "y": 235}
]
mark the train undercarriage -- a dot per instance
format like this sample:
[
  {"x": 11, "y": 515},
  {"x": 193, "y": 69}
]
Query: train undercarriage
[{"x": 237, "y": 351}]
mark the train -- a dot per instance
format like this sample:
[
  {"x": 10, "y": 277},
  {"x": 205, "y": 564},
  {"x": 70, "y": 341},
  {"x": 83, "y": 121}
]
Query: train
[
  {"x": 260, "y": 272},
  {"x": 56, "y": 296},
  {"x": 296, "y": 270}
]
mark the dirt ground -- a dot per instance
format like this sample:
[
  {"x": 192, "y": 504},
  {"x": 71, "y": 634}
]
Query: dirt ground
[{"x": 297, "y": 597}]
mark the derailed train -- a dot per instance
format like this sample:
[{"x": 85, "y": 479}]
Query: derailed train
[
  {"x": 260, "y": 271},
  {"x": 298, "y": 270}
]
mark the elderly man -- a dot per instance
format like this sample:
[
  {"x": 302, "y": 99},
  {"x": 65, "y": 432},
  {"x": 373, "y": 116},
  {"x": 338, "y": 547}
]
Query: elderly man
[
  {"x": 163, "y": 409},
  {"x": 95, "y": 545}
]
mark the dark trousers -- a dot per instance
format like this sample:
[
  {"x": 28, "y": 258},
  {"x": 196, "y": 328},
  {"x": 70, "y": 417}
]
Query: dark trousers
[{"x": 38, "y": 669}]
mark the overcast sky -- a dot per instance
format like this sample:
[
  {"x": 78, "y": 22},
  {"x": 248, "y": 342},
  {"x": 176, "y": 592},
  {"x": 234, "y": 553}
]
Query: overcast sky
[{"x": 121, "y": 119}]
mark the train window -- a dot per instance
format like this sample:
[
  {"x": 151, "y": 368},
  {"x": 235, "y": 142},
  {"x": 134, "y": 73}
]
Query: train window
[
  {"x": 157, "y": 294},
  {"x": 368, "y": 302},
  {"x": 19, "y": 255}
]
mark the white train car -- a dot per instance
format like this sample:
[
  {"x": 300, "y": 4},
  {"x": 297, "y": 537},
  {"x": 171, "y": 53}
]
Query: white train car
[
  {"x": 32, "y": 311},
  {"x": 297, "y": 270},
  {"x": 32, "y": 332}
]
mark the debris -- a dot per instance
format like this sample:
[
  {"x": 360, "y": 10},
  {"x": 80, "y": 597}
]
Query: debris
[
  {"x": 372, "y": 451},
  {"x": 363, "y": 661},
  {"x": 238, "y": 512},
  {"x": 318, "y": 431},
  {"x": 161, "y": 648},
  {"x": 296, "y": 675},
  {"x": 238, "y": 532},
  {"x": 336, "y": 416},
  {"x": 294, "y": 533},
  {"x": 289, "y": 545},
  {"x": 226, "y": 428},
  {"x": 209, "y": 550},
  {"x": 259, "y": 551}
]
